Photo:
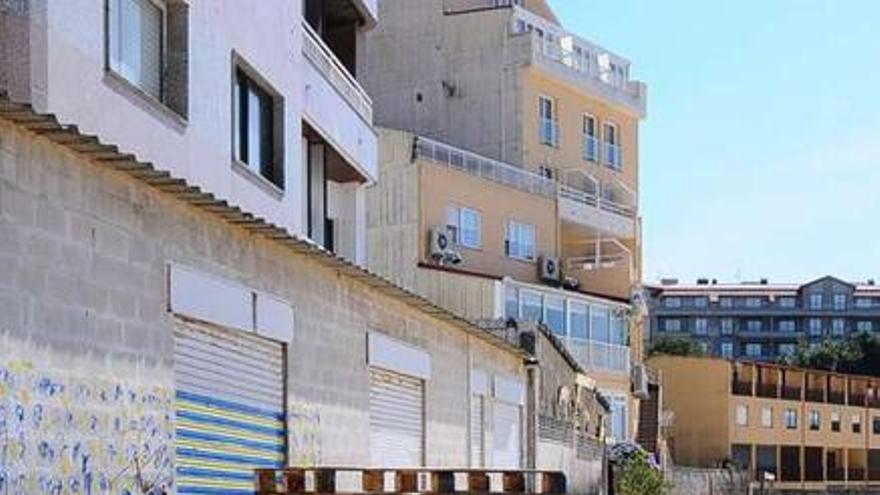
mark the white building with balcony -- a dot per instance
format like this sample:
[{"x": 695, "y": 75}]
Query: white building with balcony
[{"x": 255, "y": 101}]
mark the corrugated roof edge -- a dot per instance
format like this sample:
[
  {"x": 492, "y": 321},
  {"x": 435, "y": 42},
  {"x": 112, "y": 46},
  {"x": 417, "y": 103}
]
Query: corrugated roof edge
[{"x": 91, "y": 148}]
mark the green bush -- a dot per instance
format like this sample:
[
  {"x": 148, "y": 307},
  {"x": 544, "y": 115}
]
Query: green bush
[{"x": 639, "y": 476}]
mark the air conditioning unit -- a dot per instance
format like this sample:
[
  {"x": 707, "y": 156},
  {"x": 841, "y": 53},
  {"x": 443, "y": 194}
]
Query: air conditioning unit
[
  {"x": 550, "y": 270},
  {"x": 440, "y": 243},
  {"x": 640, "y": 381}
]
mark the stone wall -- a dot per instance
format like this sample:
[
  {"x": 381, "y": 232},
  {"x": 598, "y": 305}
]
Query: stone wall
[
  {"x": 698, "y": 481},
  {"x": 84, "y": 254}
]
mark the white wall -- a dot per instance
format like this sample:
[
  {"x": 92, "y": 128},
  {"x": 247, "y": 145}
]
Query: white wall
[{"x": 265, "y": 33}]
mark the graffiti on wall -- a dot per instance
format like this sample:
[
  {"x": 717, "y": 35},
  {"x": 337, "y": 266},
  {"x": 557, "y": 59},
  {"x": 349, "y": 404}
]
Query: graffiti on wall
[
  {"x": 304, "y": 423},
  {"x": 64, "y": 431}
]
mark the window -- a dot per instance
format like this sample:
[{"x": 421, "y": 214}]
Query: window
[
  {"x": 754, "y": 325},
  {"x": 856, "y": 423},
  {"x": 521, "y": 241},
  {"x": 599, "y": 324},
  {"x": 727, "y": 326},
  {"x": 254, "y": 122},
  {"x": 554, "y": 315},
  {"x": 727, "y": 350},
  {"x": 548, "y": 127},
  {"x": 839, "y": 302},
  {"x": 701, "y": 302},
  {"x": 815, "y": 301},
  {"x": 863, "y": 302},
  {"x": 838, "y": 327},
  {"x": 701, "y": 326},
  {"x": 815, "y": 327},
  {"x": 753, "y": 350},
  {"x": 672, "y": 302},
  {"x": 672, "y": 325},
  {"x": 835, "y": 422},
  {"x": 767, "y": 417},
  {"x": 465, "y": 226},
  {"x": 591, "y": 142},
  {"x": 865, "y": 326},
  {"x": 137, "y": 43},
  {"x": 815, "y": 420},
  {"x": 618, "y": 329},
  {"x": 531, "y": 306},
  {"x": 612, "y": 146},
  {"x": 577, "y": 321},
  {"x": 790, "y": 419},
  {"x": 787, "y": 326},
  {"x": 753, "y": 302},
  {"x": 742, "y": 415},
  {"x": 876, "y": 425},
  {"x": 726, "y": 302},
  {"x": 786, "y": 349},
  {"x": 511, "y": 303},
  {"x": 787, "y": 302}
]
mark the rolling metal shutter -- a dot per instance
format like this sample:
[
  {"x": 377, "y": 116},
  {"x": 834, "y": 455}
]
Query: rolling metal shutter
[
  {"x": 229, "y": 407},
  {"x": 478, "y": 431},
  {"x": 505, "y": 435},
  {"x": 396, "y": 420}
]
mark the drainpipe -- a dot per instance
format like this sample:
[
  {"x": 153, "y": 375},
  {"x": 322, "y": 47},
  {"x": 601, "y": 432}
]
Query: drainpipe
[{"x": 533, "y": 380}]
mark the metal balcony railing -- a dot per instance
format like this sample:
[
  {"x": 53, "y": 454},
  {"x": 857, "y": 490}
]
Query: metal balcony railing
[
  {"x": 511, "y": 176},
  {"x": 791, "y": 393},
  {"x": 600, "y": 356},
  {"x": 742, "y": 388},
  {"x": 815, "y": 395},
  {"x": 335, "y": 72},
  {"x": 768, "y": 390}
]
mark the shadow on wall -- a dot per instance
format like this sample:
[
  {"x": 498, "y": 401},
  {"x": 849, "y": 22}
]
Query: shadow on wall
[{"x": 81, "y": 425}]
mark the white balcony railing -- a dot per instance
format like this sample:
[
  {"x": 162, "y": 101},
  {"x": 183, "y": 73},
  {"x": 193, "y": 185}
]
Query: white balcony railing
[
  {"x": 335, "y": 72},
  {"x": 600, "y": 356},
  {"x": 511, "y": 176}
]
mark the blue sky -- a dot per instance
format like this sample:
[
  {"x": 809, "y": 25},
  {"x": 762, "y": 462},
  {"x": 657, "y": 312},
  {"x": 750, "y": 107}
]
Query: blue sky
[{"x": 760, "y": 156}]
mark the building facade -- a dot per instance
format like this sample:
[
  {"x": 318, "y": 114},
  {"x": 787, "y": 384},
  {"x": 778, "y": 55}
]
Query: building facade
[
  {"x": 762, "y": 321},
  {"x": 508, "y": 173},
  {"x": 809, "y": 430}
]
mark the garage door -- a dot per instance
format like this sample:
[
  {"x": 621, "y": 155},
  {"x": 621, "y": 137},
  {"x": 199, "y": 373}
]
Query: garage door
[
  {"x": 505, "y": 435},
  {"x": 396, "y": 419},
  {"x": 229, "y": 409}
]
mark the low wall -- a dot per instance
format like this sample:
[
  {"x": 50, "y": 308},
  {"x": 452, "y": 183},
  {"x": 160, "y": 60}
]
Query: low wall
[{"x": 697, "y": 481}]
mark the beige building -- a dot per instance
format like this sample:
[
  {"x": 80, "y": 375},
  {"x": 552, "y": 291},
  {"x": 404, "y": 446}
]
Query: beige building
[
  {"x": 810, "y": 430},
  {"x": 511, "y": 189}
]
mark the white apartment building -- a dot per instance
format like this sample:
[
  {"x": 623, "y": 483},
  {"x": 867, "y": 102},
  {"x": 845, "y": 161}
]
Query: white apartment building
[{"x": 204, "y": 88}]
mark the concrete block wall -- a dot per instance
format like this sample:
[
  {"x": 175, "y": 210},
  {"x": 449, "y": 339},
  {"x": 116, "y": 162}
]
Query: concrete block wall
[{"x": 84, "y": 253}]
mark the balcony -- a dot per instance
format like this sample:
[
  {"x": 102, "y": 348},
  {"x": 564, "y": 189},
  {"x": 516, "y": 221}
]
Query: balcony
[
  {"x": 337, "y": 106},
  {"x": 599, "y": 356},
  {"x": 583, "y": 65},
  {"x": 791, "y": 393},
  {"x": 589, "y": 210},
  {"x": 742, "y": 388},
  {"x": 836, "y": 397},
  {"x": 815, "y": 395}
]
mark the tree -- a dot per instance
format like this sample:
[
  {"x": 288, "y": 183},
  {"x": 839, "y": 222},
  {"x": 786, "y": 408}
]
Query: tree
[
  {"x": 638, "y": 476},
  {"x": 859, "y": 354},
  {"x": 675, "y": 346}
]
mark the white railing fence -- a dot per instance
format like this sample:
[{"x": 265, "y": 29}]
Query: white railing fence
[
  {"x": 334, "y": 71},
  {"x": 601, "y": 356}
]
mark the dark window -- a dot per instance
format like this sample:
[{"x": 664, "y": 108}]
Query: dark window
[
  {"x": 876, "y": 425},
  {"x": 255, "y": 128}
]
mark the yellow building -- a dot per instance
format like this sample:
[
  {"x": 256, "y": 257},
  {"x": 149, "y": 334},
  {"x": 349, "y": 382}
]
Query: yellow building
[
  {"x": 509, "y": 179},
  {"x": 811, "y": 430}
]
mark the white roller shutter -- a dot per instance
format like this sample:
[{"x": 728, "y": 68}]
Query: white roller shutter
[
  {"x": 478, "y": 431},
  {"x": 397, "y": 429},
  {"x": 229, "y": 409},
  {"x": 505, "y": 435}
]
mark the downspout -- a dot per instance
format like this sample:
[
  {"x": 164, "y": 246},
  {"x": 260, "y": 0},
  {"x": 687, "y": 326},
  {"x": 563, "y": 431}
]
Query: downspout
[{"x": 533, "y": 379}]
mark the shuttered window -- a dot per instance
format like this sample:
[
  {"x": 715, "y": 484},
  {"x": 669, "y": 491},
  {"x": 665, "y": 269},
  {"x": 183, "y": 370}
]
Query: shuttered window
[
  {"x": 229, "y": 409},
  {"x": 397, "y": 428},
  {"x": 136, "y": 41},
  {"x": 505, "y": 435}
]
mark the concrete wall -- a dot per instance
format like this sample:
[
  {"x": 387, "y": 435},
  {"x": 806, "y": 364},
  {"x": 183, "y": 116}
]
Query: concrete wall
[
  {"x": 84, "y": 252},
  {"x": 694, "y": 481},
  {"x": 450, "y": 79}
]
